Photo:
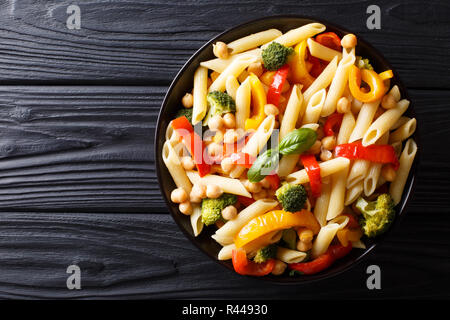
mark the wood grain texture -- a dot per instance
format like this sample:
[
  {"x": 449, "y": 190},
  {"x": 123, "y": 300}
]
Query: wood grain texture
[
  {"x": 146, "y": 256},
  {"x": 146, "y": 42}
]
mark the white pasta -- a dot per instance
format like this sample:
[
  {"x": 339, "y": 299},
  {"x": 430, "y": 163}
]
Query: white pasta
[
  {"x": 290, "y": 256},
  {"x": 226, "y": 252},
  {"x": 235, "y": 68},
  {"x": 323, "y": 239},
  {"x": 322, "y": 52},
  {"x": 358, "y": 244},
  {"x": 196, "y": 219},
  {"x": 175, "y": 168},
  {"x": 312, "y": 126},
  {"x": 199, "y": 94},
  {"x": 298, "y": 35},
  {"x": 358, "y": 172},
  {"x": 353, "y": 193},
  {"x": 371, "y": 179},
  {"x": 347, "y": 127},
  {"x": 293, "y": 112},
  {"x": 228, "y": 185},
  {"x": 400, "y": 122},
  {"x": 314, "y": 107},
  {"x": 252, "y": 41},
  {"x": 219, "y": 65},
  {"x": 406, "y": 160},
  {"x": 337, "y": 196},
  {"x": 321, "y": 208},
  {"x": 365, "y": 117},
  {"x": 243, "y": 100},
  {"x": 287, "y": 164},
  {"x": 231, "y": 86},
  {"x": 404, "y": 132},
  {"x": 395, "y": 92},
  {"x": 341, "y": 220},
  {"x": 171, "y": 135},
  {"x": 326, "y": 168}
]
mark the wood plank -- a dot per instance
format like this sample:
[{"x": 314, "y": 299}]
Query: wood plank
[
  {"x": 147, "y": 42},
  {"x": 146, "y": 256},
  {"x": 91, "y": 148}
]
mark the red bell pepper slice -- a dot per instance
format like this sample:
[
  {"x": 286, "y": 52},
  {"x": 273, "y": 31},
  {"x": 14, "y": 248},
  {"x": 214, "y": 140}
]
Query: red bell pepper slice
[
  {"x": 333, "y": 123},
  {"x": 193, "y": 143},
  {"x": 352, "y": 222},
  {"x": 380, "y": 153},
  {"x": 317, "y": 66},
  {"x": 274, "y": 93},
  {"x": 322, "y": 262},
  {"x": 245, "y": 201},
  {"x": 274, "y": 181},
  {"x": 246, "y": 267},
  {"x": 242, "y": 159},
  {"x": 313, "y": 170},
  {"x": 330, "y": 40}
]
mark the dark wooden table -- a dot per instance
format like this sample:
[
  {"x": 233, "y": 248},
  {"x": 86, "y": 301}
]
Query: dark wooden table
[{"x": 78, "y": 110}]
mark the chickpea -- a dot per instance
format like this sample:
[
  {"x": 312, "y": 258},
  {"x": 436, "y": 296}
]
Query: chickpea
[
  {"x": 305, "y": 235},
  {"x": 220, "y": 50},
  {"x": 329, "y": 142},
  {"x": 265, "y": 183},
  {"x": 178, "y": 195},
  {"x": 388, "y": 102},
  {"x": 349, "y": 41},
  {"x": 252, "y": 187},
  {"x": 260, "y": 195},
  {"x": 255, "y": 68},
  {"x": 279, "y": 267},
  {"x": 388, "y": 173},
  {"x": 229, "y": 120},
  {"x": 215, "y": 123},
  {"x": 229, "y": 213},
  {"x": 270, "y": 109},
  {"x": 185, "y": 208},
  {"x": 214, "y": 149},
  {"x": 198, "y": 192},
  {"x": 316, "y": 147},
  {"x": 304, "y": 246},
  {"x": 227, "y": 165},
  {"x": 188, "y": 100},
  {"x": 343, "y": 105},
  {"x": 218, "y": 137},
  {"x": 187, "y": 163},
  {"x": 213, "y": 191},
  {"x": 326, "y": 155}
]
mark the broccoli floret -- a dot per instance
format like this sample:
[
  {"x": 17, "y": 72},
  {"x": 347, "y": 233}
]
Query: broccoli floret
[
  {"x": 363, "y": 63},
  {"x": 266, "y": 253},
  {"x": 275, "y": 56},
  {"x": 292, "y": 197},
  {"x": 377, "y": 215},
  {"x": 289, "y": 237},
  {"x": 187, "y": 112},
  {"x": 218, "y": 104},
  {"x": 212, "y": 208}
]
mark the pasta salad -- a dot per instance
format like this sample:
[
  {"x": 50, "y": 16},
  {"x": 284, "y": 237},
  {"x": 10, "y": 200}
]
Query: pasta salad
[{"x": 292, "y": 148}]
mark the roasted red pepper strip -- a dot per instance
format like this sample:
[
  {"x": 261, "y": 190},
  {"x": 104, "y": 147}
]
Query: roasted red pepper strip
[
  {"x": 376, "y": 153},
  {"x": 274, "y": 181},
  {"x": 333, "y": 123},
  {"x": 322, "y": 262},
  {"x": 317, "y": 66},
  {"x": 330, "y": 40},
  {"x": 242, "y": 159},
  {"x": 247, "y": 267},
  {"x": 274, "y": 93},
  {"x": 245, "y": 201},
  {"x": 193, "y": 143},
  {"x": 352, "y": 222},
  {"x": 313, "y": 170}
]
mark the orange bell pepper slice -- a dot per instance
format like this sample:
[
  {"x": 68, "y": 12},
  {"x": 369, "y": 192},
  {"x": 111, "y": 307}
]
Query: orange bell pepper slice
[
  {"x": 347, "y": 235},
  {"x": 376, "y": 84},
  {"x": 273, "y": 221},
  {"x": 259, "y": 100},
  {"x": 299, "y": 71}
]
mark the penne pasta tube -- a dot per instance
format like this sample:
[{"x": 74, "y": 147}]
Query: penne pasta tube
[
  {"x": 404, "y": 132},
  {"x": 406, "y": 160},
  {"x": 243, "y": 100},
  {"x": 371, "y": 179},
  {"x": 287, "y": 164},
  {"x": 171, "y": 135},
  {"x": 219, "y": 65},
  {"x": 323, "y": 239},
  {"x": 298, "y": 35},
  {"x": 314, "y": 107},
  {"x": 337, "y": 85},
  {"x": 400, "y": 122},
  {"x": 228, "y": 185},
  {"x": 347, "y": 127},
  {"x": 358, "y": 172},
  {"x": 231, "y": 86},
  {"x": 293, "y": 112},
  {"x": 326, "y": 168},
  {"x": 312, "y": 126},
  {"x": 358, "y": 244},
  {"x": 196, "y": 219},
  {"x": 382, "y": 124},
  {"x": 199, "y": 93},
  {"x": 337, "y": 196},
  {"x": 226, "y": 252},
  {"x": 290, "y": 256},
  {"x": 341, "y": 220},
  {"x": 320, "y": 51},
  {"x": 353, "y": 193},
  {"x": 175, "y": 168},
  {"x": 254, "y": 40},
  {"x": 395, "y": 92},
  {"x": 225, "y": 235},
  {"x": 321, "y": 208},
  {"x": 365, "y": 117},
  {"x": 235, "y": 68}
]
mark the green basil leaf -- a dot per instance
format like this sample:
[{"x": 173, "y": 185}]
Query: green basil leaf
[
  {"x": 297, "y": 141},
  {"x": 263, "y": 165}
]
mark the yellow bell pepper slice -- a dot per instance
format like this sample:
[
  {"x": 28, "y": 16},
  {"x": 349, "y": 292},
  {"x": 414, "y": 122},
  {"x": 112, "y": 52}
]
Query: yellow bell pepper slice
[
  {"x": 346, "y": 235},
  {"x": 388, "y": 74},
  {"x": 299, "y": 70},
  {"x": 377, "y": 88},
  {"x": 259, "y": 100},
  {"x": 273, "y": 221}
]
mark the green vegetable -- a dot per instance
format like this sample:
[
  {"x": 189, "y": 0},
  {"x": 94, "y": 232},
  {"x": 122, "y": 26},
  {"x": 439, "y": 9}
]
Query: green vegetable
[
  {"x": 266, "y": 253},
  {"x": 212, "y": 208},
  {"x": 275, "y": 56},
  {"x": 263, "y": 165},
  {"x": 294, "y": 273},
  {"x": 187, "y": 112},
  {"x": 363, "y": 63},
  {"x": 289, "y": 237},
  {"x": 377, "y": 215},
  {"x": 218, "y": 104},
  {"x": 292, "y": 197},
  {"x": 297, "y": 141}
]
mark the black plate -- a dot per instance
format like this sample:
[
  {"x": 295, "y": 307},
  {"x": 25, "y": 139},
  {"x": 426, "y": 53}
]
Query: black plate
[{"x": 183, "y": 83}]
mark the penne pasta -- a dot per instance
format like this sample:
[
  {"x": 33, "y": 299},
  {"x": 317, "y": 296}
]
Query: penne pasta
[
  {"x": 320, "y": 51},
  {"x": 365, "y": 117},
  {"x": 371, "y": 179},
  {"x": 324, "y": 238},
  {"x": 175, "y": 168},
  {"x": 347, "y": 127},
  {"x": 293, "y": 112},
  {"x": 406, "y": 160},
  {"x": 341, "y": 220},
  {"x": 235, "y": 68},
  {"x": 219, "y": 65},
  {"x": 326, "y": 168},
  {"x": 231, "y": 86},
  {"x": 337, "y": 196},
  {"x": 196, "y": 219},
  {"x": 199, "y": 92},
  {"x": 252, "y": 41},
  {"x": 287, "y": 164},
  {"x": 290, "y": 256},
  {"x": 243, "y": 99},
  {"x": 228, "y": 185},
  {"x": 404, "y": 132},
  {"x": 298, "y": 35},
  {"x": 321, "y": 208},
  {"x": 353, "y": 193},
  {"x": 314, "y": 107},
  {"x": 357, "y": 173}
]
